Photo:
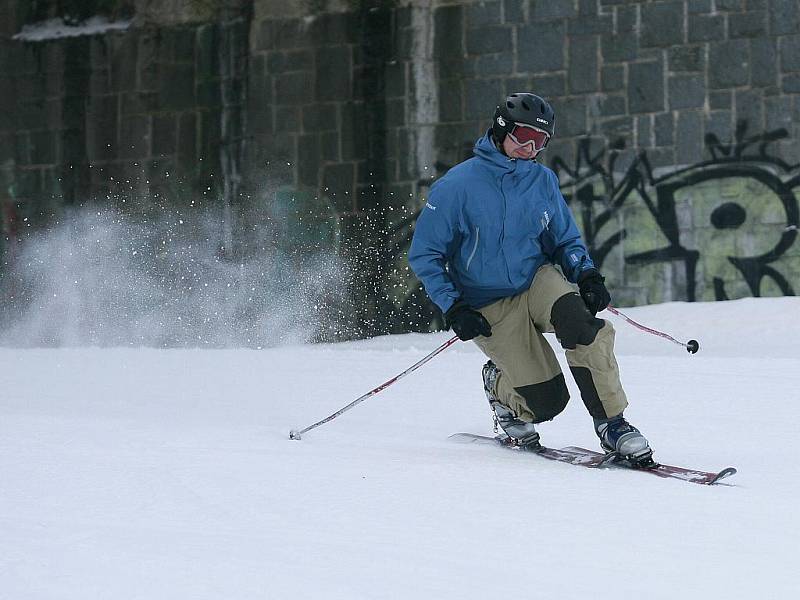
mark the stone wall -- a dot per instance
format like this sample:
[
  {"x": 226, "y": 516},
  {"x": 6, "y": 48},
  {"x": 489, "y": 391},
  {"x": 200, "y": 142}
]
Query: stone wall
[{"x": 676, "y": 135}]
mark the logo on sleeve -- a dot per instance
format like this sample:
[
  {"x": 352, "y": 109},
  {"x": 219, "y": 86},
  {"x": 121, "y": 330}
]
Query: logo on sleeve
[
  {"x": 431, "y": 206},
  {"x": 545, "y": 220}
]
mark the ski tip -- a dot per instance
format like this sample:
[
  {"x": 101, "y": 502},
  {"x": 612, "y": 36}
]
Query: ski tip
[{"x": 727, "y": 472}]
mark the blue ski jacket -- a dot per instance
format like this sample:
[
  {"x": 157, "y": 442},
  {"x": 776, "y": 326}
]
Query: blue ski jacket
[{"x": 489, "y": 224}]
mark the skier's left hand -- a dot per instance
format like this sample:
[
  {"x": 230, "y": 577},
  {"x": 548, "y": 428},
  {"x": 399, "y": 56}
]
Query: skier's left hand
[{"x": 593, "y": 290}]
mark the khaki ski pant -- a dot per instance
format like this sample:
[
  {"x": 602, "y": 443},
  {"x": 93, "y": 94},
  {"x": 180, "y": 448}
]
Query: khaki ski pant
[{"x": 530, "y": 381}]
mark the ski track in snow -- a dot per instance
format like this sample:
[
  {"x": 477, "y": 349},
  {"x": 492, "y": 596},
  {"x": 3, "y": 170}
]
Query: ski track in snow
[{"x": 143, "y": 473}]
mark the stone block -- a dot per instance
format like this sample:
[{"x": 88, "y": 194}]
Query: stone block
[
  {"x": 284, "y": 61},
  {"x": 124, "y": 61},
  {"x": 451, "y": 100},
  {"x": 290, "y": 33},
  {"x": 490, "y": 39},
  {"x": 209, "y": 93},
  {"x": 645, "y": 87},
  {"x": 784, "y": 17},
  {"x": 731, "y": 62},
  {"x": 612, "y": 78},
  {"x": 721, "y": 99},
  {"x": 697, "y": 7},
  {"x": 517, "y": 84},
  {"x": 334, "y": 74},
  {"x": 664, "y": 129},
  {"x": 747, "y": 24},
  {"x": 484, "y": 13},
  {"x": 583, "y": 69},
  {"x": 480, "y": 97},
  {"x": 338, "y": 181},
  {"x": 571, "y": 117},
  {"x": 489, "y": 65},
  {"x": 530, "y": 41},
  {"x": 790, "y": 84},
  {"x": 187, "y": 140},
  {"x": 689, "y": 137},
  {"x": 134, "y": 136},
  {"x": 308, "y": 159},
  {"x": 548, "y": 10},
  {"x": 334, "y": 28},
  {"x": 616, "y": 48},
  {"x": 627, "y": 20},
  {"x": 164, "y": 135},
  {"x": 720, "y": 124},
  {"x": 395, "y": 76},
  {"x": 329, "y": 146},
  {"x": 778, "y": 113},
  {"x": 618, "y": 128},
  {"x": 548, "y": 86},
  {"x": 789, "y": 53},
  {"x": 686, "y": 91},
  {"x": 662, "y": 24},
  {"x": 287, "y": 118},
  {"x": 207, "y": 51},
  {"x": 706, "y": 28},
  {"x": 612, "y": 105},
  {"x": 514, "y": 11},
  {"x": 176, "y": 86},
  {"x": 750, "y": 109},
  {"x": 320, "y": 116},
  {"x": 763, "y": 66},
  {"x": 294, "y": 88},
  {"x": 644, "y": 132},
  {"x": 686, "y": 58},
  {"x": 209, "y": 136},
  {"x": 591, "y": 25},
  {"x": 449, "y": 28}
]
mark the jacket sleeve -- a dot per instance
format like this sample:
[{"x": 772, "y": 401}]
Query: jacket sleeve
[
  {"x": 562, "y": 240},
  {"x": 436, "y": 238}
]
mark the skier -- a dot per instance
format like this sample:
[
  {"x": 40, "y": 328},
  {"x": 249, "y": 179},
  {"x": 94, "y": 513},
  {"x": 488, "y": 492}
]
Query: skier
[{"x": 488, "y": 247}]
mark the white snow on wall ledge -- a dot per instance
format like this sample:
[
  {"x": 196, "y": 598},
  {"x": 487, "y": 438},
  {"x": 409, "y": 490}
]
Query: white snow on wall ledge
[{"x": 53, "y": 29}]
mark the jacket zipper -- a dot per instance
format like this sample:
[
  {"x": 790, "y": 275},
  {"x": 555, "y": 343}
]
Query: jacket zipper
[{"x": 475, "y": 247}]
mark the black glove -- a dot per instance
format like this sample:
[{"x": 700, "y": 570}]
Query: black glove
[
  {"x": 466, "y": 322},
  {"x": 593, "y": 290}
]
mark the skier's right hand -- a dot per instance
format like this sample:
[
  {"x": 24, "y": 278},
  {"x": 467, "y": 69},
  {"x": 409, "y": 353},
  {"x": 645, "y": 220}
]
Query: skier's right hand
[{"x": 466, "y": 322}]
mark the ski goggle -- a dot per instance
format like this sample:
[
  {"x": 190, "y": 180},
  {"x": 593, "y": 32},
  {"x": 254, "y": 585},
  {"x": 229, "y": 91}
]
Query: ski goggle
[{"x": 524, "y": 134}]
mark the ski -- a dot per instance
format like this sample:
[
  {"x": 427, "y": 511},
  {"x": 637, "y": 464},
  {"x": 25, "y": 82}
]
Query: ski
[{"x": 589, "y": 458}]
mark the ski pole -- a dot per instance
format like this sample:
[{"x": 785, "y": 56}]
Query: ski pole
[
  {"x": 692, "y": 346},
  {"x": 297, "y": 435}
]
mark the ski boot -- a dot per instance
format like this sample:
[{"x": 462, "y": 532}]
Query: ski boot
[
  {"x": 520, "y": 433},
  {"x": 622, "y": 440}
]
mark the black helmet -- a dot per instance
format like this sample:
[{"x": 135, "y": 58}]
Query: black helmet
[{"x": 525, "y": 108}]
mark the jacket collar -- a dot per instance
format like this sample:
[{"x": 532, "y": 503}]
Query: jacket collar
[{"x": 486, "y": 150}]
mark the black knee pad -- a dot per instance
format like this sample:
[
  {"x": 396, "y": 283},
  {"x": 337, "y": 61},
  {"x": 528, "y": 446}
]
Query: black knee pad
[
  {"x": 545, "y": 400},
  {"x": 573, "y": 323}
]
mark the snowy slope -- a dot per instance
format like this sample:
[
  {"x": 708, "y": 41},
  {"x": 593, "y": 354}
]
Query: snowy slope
[{"x": 140, "y": 473}]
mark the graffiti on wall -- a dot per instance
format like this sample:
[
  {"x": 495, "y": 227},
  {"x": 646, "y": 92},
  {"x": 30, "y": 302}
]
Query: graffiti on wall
[
  {"x": 723, "y": 228},
  {"x": 735, "y": 215}
]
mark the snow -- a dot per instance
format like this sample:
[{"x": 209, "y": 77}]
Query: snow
[
  {"x": 144, "y": 473},
  {"x": 53, "y": 29}
]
